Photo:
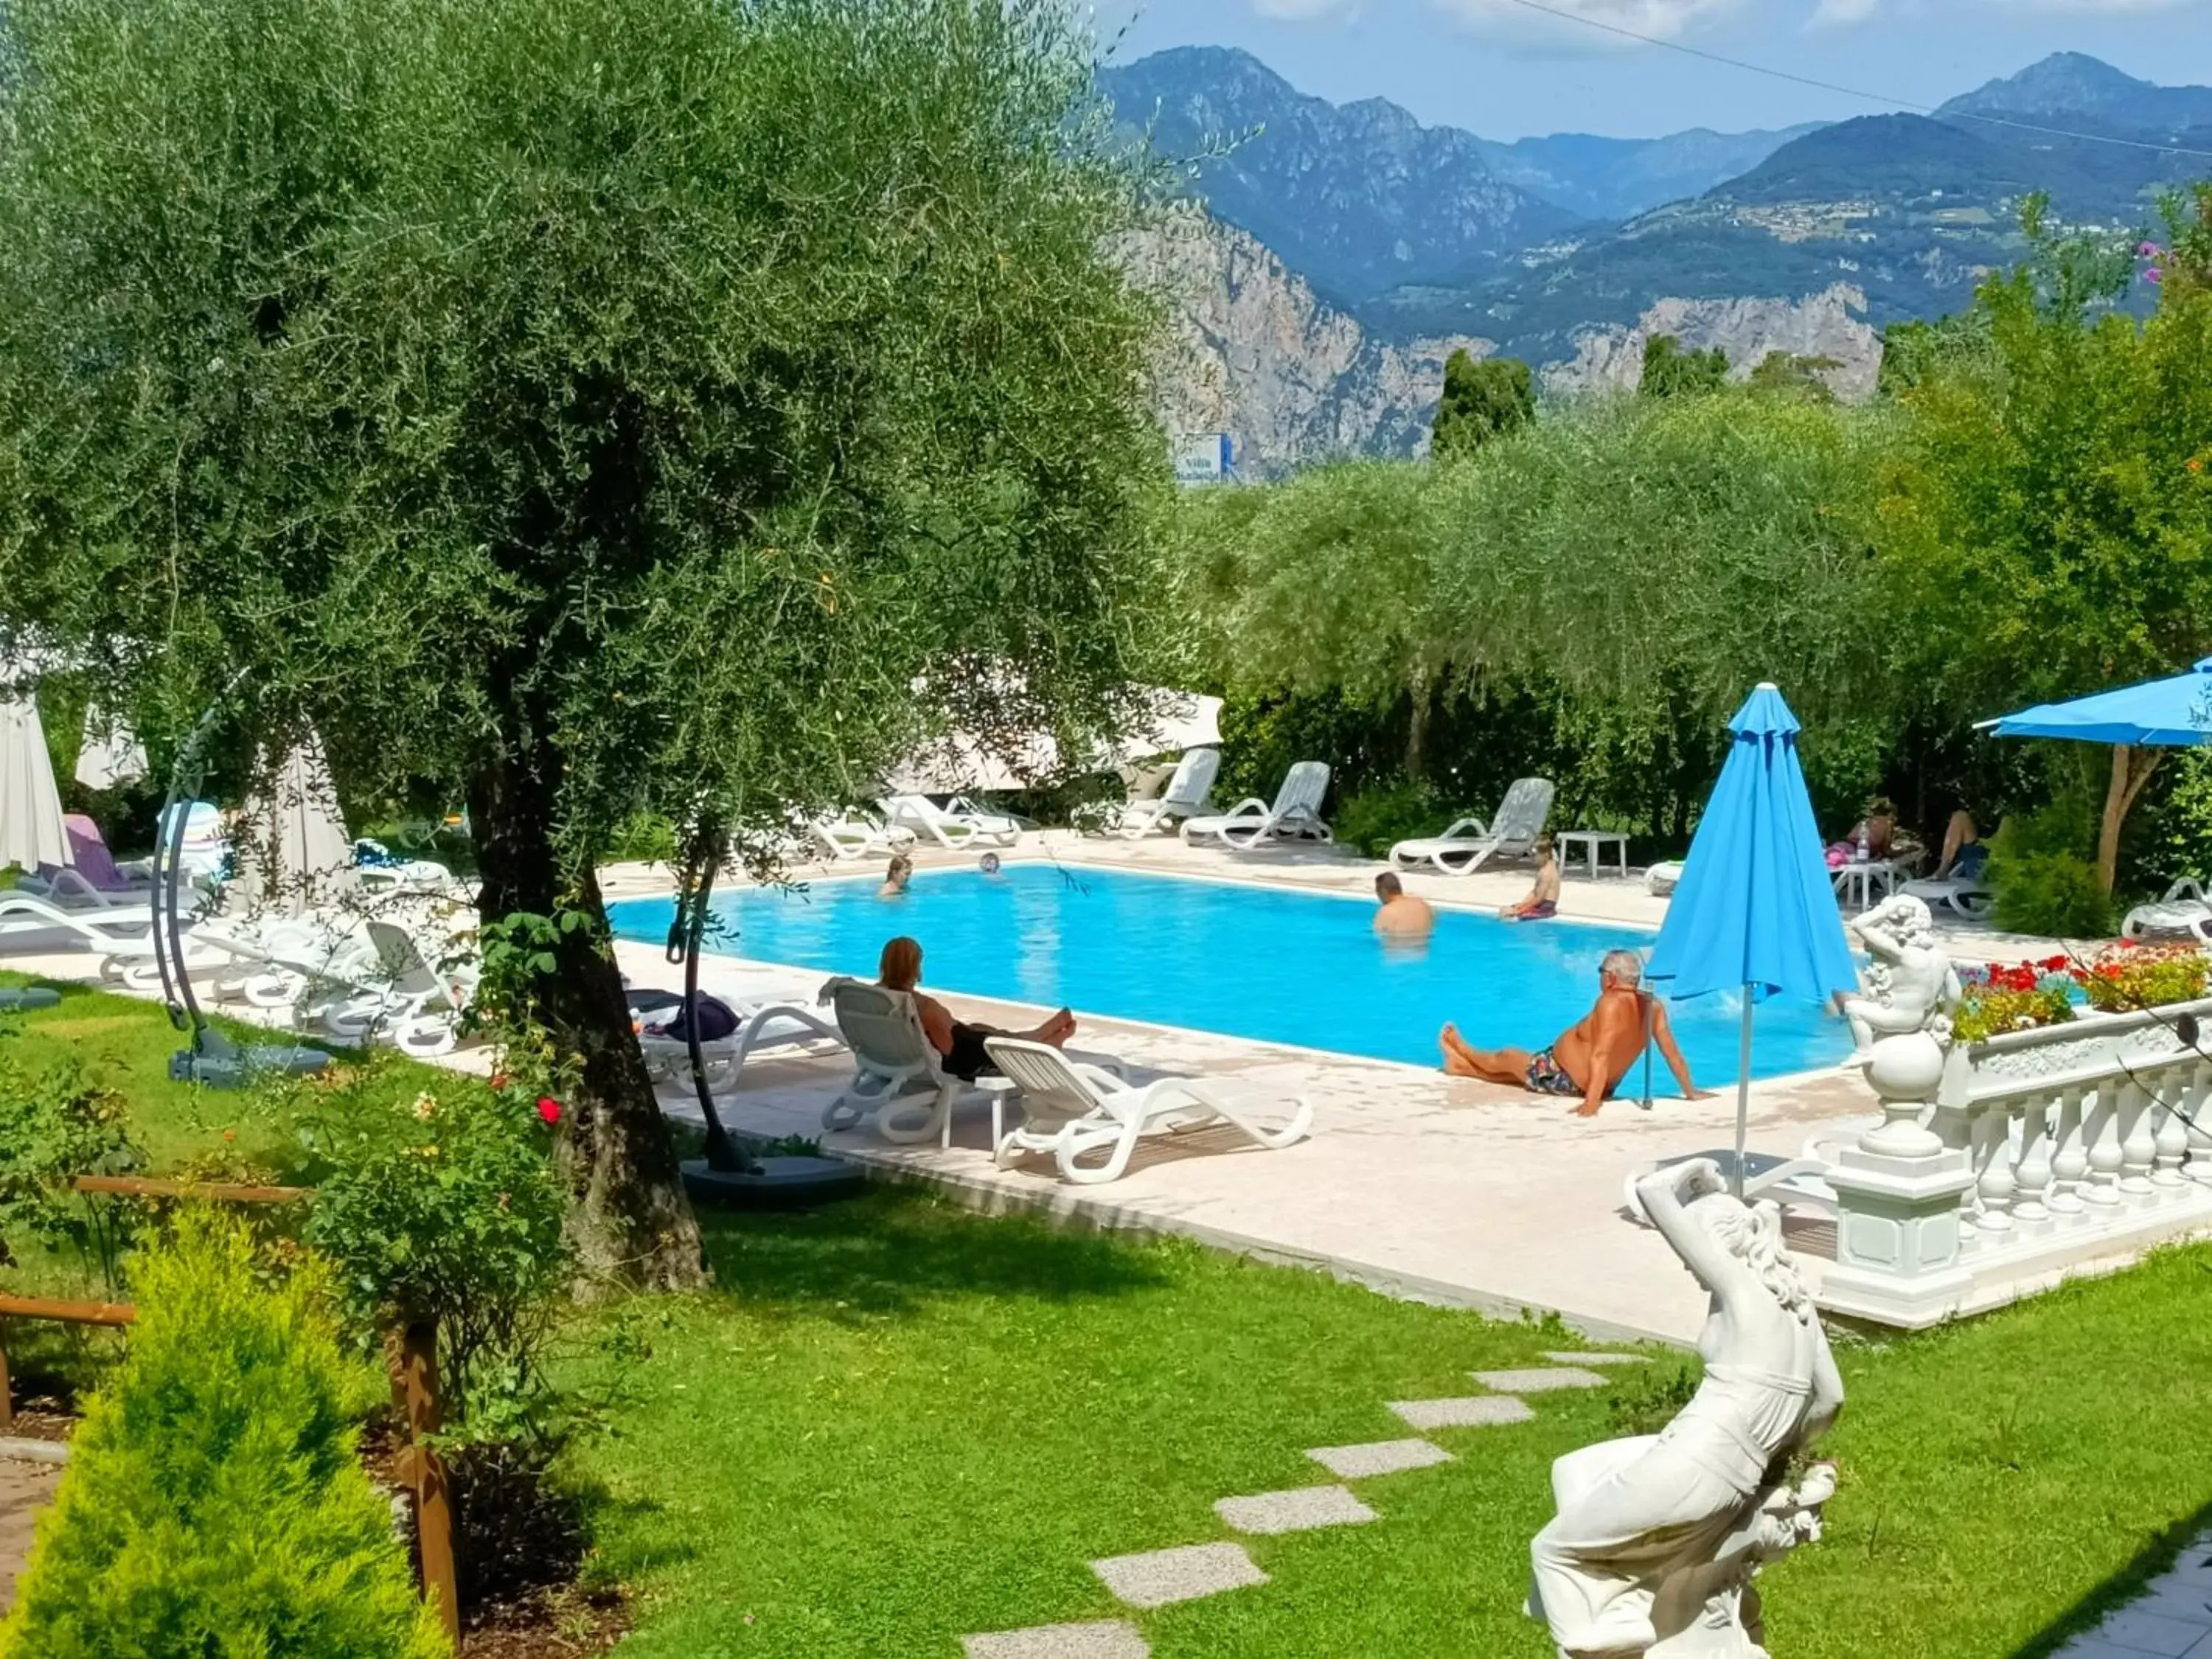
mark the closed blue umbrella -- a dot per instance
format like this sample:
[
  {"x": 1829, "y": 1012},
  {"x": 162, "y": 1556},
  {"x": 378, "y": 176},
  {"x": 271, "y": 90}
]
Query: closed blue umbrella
[{"x": 1754, "y": 911}]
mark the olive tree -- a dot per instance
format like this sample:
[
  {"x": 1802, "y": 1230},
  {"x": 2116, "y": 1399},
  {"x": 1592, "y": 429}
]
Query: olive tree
[{"x": 579, "y": 407}]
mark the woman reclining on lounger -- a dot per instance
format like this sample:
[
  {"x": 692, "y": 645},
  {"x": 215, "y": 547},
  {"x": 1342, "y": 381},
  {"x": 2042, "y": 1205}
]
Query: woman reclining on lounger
[{"x": 960, "y": 1043}]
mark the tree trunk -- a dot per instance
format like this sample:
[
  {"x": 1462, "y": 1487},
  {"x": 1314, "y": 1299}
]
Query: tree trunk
[
  {"x": 2132, "y": 770},
  {"x": 632, "y": 1221},
  {"x": 1417, "y": 730}
]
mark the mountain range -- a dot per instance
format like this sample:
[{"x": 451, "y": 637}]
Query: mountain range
[{"x": 1558, "y": 249}]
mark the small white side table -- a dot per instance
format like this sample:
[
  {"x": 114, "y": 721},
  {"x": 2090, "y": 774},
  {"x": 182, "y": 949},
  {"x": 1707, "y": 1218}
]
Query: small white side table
[
  {"x": 1856, "y": 883},
  {"x": 1593, "y": 843},
  {"x": 1002, "y": 1089}
]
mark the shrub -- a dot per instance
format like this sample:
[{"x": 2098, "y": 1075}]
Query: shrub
[
  {"x": 2041, "y": 884},
  {"x": 446, "y": 1207},
  {"x": 1378, "y": 818},
  {"x": 54, "y": 1127},
  {"x": 214, "y": 1504}
]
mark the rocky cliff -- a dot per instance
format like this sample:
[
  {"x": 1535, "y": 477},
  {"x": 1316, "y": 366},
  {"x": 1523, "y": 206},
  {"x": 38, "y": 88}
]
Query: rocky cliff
[
  {"x": 1252, "y": 351},
  {"x": 1830, "y": 323}
]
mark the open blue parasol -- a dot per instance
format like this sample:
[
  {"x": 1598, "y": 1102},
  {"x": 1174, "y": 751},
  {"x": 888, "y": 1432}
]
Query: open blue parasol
[{"x": 1754, "y": 911}]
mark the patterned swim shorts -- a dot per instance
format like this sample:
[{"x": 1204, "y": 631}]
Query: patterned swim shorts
[{"x": 1545, "y": 1076}]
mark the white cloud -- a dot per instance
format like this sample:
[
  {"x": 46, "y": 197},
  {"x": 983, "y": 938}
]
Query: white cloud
[
  {"x": 1661, "y": 20},
  {"x": 1836, "y": 14}
]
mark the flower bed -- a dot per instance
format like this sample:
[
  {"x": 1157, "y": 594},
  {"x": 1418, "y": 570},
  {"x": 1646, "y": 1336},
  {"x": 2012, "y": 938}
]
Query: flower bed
[{"x": 2122, "y": 978}]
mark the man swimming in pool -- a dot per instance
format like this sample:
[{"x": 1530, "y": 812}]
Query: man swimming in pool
[
  {"x": 1591, "y": 1056},
  {"x": 1399, "y": 914}
]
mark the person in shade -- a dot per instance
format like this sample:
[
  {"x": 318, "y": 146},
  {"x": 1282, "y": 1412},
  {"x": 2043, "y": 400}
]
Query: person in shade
[
  {"x": 1590, "y": 1057},
  {"x": 1401, "y": 917},
  {"x": 1543, "y": 901},
  {"x": 1965, "y": 852},
  {"x": 897, "y": 876},
  {"x": 960, "y": 1043}
]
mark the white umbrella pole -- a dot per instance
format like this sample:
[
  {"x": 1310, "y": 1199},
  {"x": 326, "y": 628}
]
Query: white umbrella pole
[{"x": 1742, "y": 1093}]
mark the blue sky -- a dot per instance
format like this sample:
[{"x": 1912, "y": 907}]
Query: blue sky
[{"x": 1503, "y": 72}]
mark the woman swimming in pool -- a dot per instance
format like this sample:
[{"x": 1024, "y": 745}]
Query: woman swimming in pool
[{"x": 960, "y": 1043}]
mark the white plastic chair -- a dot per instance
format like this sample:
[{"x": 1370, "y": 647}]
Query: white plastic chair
[
  {"x": 1295, "y": 815},
  {"x": 761, "y": 1026},
  {"x": 2183, "y": 911},
  {"x": 1094, "y": 1110},
  {"x": 1470, "y": 843},
  {"x": 956, "y": 826},
  {"x": 1185, "y": 797},
  {"x": 899, "y": 1079}
]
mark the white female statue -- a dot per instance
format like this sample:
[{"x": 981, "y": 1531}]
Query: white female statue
[
  {"x": 1657, "y": 1538},
  {"x": 1912, "y": 980}
]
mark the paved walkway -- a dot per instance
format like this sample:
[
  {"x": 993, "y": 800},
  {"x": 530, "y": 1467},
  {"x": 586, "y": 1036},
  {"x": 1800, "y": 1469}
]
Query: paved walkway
[
  {"x": 24, "y": 1489},
  {"x": 2172, "y": 1620}
]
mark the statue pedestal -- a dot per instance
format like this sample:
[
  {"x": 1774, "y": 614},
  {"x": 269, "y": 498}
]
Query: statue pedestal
[{"x": 1897, "y": 1236}]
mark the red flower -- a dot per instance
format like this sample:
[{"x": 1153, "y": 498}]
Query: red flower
[
  {"x": 2055, "y": 965},
  {"x": 548, "y": 1108}
]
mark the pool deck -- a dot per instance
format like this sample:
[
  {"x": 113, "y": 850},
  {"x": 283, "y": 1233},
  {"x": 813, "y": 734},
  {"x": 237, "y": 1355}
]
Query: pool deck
[{"x": 1424, "y": 1186}]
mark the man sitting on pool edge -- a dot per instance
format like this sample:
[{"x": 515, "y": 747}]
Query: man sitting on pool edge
[
  {"x": 1590, "y": 1057},
  {"x": 959, "y": 1043}
]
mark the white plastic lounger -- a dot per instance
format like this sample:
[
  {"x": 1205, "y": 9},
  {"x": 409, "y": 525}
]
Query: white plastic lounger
[
  {"x": 1469, "y": 844},
  {"x": 956, "y": 826},
  {"x": 762, "y": 1027},
  {"x": 415, "y": 1004},
  {"x": 1790, "y": 1182},
  {"x": 2183, "y": 911},
  {"x": 898, "y": 1079},
  {"x": 1095, "y": 1110},
  {"x": 1185, "y": 797},
  {"x": 1296, "y": 814},
  {"x": 856, "y": 836},
  {"x": 1965, "y": 895},
  {"x": 23, "y": 915}
]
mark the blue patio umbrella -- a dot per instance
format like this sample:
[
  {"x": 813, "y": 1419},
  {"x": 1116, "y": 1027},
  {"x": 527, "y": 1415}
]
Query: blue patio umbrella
[
  {"x": 1754, "y": 911},
  {"x": 2174, "y": 713}
]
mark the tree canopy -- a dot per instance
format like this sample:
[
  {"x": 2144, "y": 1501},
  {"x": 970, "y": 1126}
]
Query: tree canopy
[
  {"x": 1482, "y": 397},
  {"x": 1671, "y": 372},
  {"x": 576, "y": 407}
]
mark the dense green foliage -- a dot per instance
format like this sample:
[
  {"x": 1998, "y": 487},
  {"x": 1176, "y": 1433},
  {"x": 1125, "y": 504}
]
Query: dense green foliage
[
  {"x": 1481, "y": 399},
  {"x": 56, "y": 1125},
  {"x": 214, "y": 1504},
  {"x": 581, "y": 408},
  {"x": 1671, "y": 372}
]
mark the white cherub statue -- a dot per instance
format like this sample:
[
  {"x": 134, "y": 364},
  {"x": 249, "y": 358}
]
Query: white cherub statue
[{"x": 1913, "y": 980}]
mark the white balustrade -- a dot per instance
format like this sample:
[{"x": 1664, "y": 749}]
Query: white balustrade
[{"x": 2070, "y": 1142}]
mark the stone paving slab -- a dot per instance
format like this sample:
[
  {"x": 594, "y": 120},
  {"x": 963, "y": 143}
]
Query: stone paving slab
[
  {"x": 1567, "y": 1358},
  {"x": 1158, "y": 1578},
  {"x": 2131, "y": 1631},
  {"x": 1378, "y": 1457},
  {"x": 1540, "y": 1380},
  {"x": 1480, "y": 1412},
  {"x": 1301, "y": 1509},
  {"x": 1105, "y": 1639}
]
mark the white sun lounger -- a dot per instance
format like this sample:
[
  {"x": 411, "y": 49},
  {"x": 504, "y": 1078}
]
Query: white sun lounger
[
  {"x": 2183, "y": 911},
  {"x": 857, "y": 836},
  {"x": 1296, "y": 814},
  {"x": 1185, "y": 797},
  {"x": 1075, "y": 1110},
  {"x": 1966, "y": 896},
  {"x": 405, "y": 998},
  {"x": 958, "y": 825},
  {"x": 898, "y": 1079},
  {"x": 1469, "y": 844},
  {"x": 761, "y": 1026}
]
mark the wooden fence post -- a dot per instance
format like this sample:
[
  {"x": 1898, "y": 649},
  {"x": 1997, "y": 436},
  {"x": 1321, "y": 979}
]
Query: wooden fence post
[{"x": 415, "y": 1384}]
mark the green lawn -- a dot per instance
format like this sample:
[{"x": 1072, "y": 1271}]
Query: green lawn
[{"x": 896, "y": 1422}]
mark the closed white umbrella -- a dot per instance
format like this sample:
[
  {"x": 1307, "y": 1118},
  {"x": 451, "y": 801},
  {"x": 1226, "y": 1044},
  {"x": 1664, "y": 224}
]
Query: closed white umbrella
[
  {"x": 295, "y": 834},
  {"x": 31, "y": 828},
  {"x": 1181, "y": 720},
  {"x": 111, "y": 755}
]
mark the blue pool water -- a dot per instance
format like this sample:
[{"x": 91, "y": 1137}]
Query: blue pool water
[{"x": 1248, "y": 961}]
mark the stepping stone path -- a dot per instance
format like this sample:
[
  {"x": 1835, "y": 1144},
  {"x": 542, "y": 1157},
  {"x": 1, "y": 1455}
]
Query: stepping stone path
[
  {"x": 1598, "y": 1358},
  {"x": 1109, "y": 1639},
  {"x": 1474, "y": 1412},
  {"x": 1158, "y": 1578},
  {"x": 2171, "y": 1618},
  {"x": 1300, "y": 1510},
  {"x": 1378, "y": 1457},
  {"x": 1540, "y": 1380}
]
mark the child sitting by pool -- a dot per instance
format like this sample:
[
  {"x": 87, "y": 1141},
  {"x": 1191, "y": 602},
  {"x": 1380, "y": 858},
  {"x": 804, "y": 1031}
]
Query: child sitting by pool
[
  {"x": 1543, "y": 901},
  {"x": 959, "y": 1042}
]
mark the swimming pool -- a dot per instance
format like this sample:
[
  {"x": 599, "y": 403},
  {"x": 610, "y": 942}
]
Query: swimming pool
[{"x": 1264, "y": 963}]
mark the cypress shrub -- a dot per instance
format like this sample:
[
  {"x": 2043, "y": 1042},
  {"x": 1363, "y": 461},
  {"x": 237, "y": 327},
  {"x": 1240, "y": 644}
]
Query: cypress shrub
[{"x": 214, "y": 1506}]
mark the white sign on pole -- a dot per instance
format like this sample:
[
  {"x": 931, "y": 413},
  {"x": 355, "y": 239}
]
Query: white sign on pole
[{"x": 1204, "y": 458}]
